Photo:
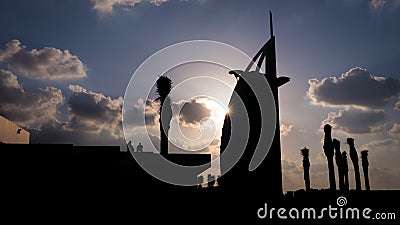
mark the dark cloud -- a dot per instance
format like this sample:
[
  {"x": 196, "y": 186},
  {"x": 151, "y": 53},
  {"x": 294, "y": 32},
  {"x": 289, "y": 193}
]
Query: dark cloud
[
  {"x": 61, "y": 133},
  {"x": 355, "y": 121},
  {"x": 356, "y": 87},
  {"x": 92, "y": 118},
  {"x": 44, "y": 64},
  {"x": 93, "y": 111},
  {"x": 192, "y": 112},
  {"x": 382, "y": 145},
  {"x": 30, "y": 110},
  {"x": 10, "y": 88}
]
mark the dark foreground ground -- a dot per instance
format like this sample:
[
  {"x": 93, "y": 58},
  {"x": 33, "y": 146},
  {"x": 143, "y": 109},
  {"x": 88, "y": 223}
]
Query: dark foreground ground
[{"x": 65, "y": 183}]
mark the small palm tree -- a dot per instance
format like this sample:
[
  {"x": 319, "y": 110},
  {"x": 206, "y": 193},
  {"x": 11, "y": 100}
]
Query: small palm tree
[
  {"x": 164, "y": 87},
  {"x": 329, "y": 152},
  {"x": 306, "y": 167}
]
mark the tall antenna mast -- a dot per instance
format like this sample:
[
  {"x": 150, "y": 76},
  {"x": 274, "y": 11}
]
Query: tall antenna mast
[{"x": 271, "y": 30}]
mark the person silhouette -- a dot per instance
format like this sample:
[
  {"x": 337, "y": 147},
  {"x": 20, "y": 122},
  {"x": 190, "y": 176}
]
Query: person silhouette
[
  {"x": 139, "y": 148},
  {"x": 130, "y": 147}
]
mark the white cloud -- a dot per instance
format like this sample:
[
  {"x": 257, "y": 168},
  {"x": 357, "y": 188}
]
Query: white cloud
[
  {"x": 357, "y": 88},
  {"x": 108, "y": 6},
  {"x": 397, "y": 105},
  {"x": 44, "y": 64},
  {"x": 377, "y": 4},
  {"x": 285, "y": 129},
  {"x": 395, "y": 130},
  {"x": 133, "y": 117}
]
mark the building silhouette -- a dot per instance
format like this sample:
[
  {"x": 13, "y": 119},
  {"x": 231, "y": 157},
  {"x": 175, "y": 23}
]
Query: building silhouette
[
  {"x": 268, "y": 175},
  {"x": 11, "y": 133}
]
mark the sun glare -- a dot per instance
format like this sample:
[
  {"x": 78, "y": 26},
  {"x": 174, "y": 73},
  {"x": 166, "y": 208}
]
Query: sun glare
[{"x": 218, "y": 109}]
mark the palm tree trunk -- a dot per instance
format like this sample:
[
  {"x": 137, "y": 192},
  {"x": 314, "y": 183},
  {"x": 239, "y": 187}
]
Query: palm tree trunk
[
  {"x": 339, "y": 163},
  {"x": 164, "y": 86},
  {"x": 163, "y": 141},
  {"x": 357, "y": 175},
  {"x": 329, "y": 153},
  {"x": 366, "y": 179},
  {"x": 345, "y": 171},
  {"x": 365, "y": 164},
  {"x": 306, "y": 167},
  {"x": 354, "y": 159},
  {"x": 331, "y": 168}
]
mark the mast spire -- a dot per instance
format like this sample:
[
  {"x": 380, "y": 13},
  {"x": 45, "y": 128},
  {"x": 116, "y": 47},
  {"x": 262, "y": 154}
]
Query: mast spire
[{"x": 271, "y": 30}]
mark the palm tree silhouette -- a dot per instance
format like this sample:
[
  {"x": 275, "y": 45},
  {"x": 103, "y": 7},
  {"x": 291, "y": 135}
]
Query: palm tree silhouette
[
  {"x": 164, "y": 86},
  {"x": 339, "y": 163},
  {"x": 354, "y": 159},
  {"x": 306, "y": 167},
  {"x": 329, "y": 152},
  {"x": 365, "y": 164}
]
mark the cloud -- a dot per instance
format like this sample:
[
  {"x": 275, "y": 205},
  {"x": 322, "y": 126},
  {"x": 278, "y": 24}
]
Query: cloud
[
  {"x": 382, "y": 145},
  {"x": 357, "y": 87},
  {"x": 92, "y": 118},
  {"x": 395, "y": 130},
  {"x": 383, "y": 159},
  {"x": 292, "y": 175},
  {"x": 397, "y": 105},
  {"x": 285, "y": 129},
  {"x": 377, "y": 4},
  {"x": 44, "y": 64},
  {"x": 193, "y": 111},
  {"x": 355, "y": 121},
  {"x": 384, "y": 178},
  {"x": 291, "y": 166},
  {"x": 94, "y": 112},
  {"x": 61, "y": 132},
  {"x": 30, "y": 110},
  {"x": 134, "y": 117},
  {"x": 108, "y": 6}
]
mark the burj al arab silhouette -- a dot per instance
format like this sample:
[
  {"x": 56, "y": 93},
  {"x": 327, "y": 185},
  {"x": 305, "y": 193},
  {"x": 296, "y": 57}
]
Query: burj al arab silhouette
[{"x": 267, "y": 177}]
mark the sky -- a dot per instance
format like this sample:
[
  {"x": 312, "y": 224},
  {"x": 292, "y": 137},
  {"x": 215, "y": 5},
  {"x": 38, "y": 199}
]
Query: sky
[{"x": 65, "y": 66}]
